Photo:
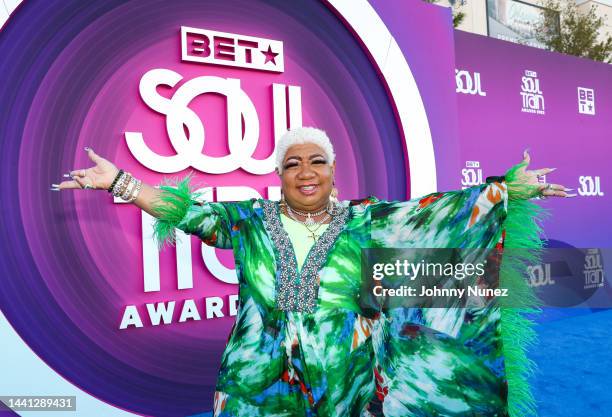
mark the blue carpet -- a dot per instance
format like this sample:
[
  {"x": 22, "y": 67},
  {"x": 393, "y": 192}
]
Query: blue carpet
[{"x": 574, "y": 357}]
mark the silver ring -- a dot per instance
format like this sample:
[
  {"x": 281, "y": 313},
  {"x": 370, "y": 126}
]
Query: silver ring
[
  {"x": 88, "y": 187},
  {"x": 542, "y": 196}
]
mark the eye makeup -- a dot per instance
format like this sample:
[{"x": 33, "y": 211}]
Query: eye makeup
[{"x": 293, "y": 161}]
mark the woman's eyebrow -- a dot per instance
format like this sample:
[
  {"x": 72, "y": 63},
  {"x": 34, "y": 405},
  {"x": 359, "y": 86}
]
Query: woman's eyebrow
[{"x": 316, "y": 155}]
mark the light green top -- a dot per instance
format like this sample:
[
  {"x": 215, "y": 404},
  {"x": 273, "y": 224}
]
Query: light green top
[{"x": 300, "y": 237}]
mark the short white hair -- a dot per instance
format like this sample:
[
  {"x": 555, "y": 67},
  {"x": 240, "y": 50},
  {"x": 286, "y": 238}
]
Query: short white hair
[{"x": 301, "y": 136}]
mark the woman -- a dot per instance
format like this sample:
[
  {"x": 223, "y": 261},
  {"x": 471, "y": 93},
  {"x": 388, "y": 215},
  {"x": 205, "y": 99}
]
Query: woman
[{"x": 302, "y": 344}]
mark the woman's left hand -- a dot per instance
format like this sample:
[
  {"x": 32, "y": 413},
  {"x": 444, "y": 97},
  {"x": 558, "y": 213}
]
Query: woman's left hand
[{"x": 524, "y": 183}]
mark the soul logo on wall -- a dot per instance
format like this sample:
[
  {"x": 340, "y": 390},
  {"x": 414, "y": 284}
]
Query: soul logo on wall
[
  {"x": 187, "y": 135},
  {"x": 531, "y": 93},
  {"x": 468, "y": 83}
]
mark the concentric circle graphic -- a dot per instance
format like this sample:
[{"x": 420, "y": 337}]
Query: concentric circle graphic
[{"x": 75, "y": 260}]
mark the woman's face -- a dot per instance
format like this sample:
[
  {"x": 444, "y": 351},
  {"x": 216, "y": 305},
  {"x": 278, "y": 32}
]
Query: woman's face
[{"x": 307, "y": 177}]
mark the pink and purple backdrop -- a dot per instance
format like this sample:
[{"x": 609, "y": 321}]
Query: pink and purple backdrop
[
  {"x": 73, "y": 261},
  {"x": 494, "y": 130}
]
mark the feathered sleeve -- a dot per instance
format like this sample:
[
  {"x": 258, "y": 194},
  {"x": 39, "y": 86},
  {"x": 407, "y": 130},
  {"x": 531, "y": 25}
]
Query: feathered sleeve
[
  {"x": 180, "y": 207},
  {"x": 461, "y": 361}
]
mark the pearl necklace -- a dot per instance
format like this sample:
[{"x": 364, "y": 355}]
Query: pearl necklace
[{"x": 310, "y": 221}]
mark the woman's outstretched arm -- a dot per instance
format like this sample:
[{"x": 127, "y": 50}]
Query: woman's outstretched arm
[
  {"x": 523, "y": 184},
  {"x": 175, "y": 205},
  {"x": 101, "y": 176}
]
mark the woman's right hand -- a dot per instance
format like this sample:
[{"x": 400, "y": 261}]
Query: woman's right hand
[{"x": 98, "y": 177}]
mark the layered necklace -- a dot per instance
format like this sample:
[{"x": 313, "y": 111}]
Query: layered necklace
[{"x": 310, "y": 223}]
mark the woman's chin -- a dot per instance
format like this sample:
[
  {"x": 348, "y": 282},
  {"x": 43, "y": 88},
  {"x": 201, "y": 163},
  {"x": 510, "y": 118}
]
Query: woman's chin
[{"x": 309, "y": 202}]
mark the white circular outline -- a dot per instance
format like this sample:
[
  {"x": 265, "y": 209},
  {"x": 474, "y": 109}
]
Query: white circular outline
[{"x": 386, "y": 53}]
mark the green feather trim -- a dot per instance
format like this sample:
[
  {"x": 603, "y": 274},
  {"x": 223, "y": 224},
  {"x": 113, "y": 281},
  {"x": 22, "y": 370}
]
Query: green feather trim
[
  {"x": 522, "y": 247},
  {"x": 170, "y": 209},
  {"x": 517, "y": 190}
]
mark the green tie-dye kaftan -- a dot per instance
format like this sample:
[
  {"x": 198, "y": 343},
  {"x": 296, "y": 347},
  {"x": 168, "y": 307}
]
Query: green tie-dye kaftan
[{"x": 302, "y": 346}]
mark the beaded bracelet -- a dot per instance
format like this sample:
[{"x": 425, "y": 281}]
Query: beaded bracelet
[
  {"x": 119, "y": 174},
  {"x": 122, "y": 184},
  {"x": 129, "y": 189},
  {"x": 126, "y": 186},
  {"x": 136, "y": 191}
]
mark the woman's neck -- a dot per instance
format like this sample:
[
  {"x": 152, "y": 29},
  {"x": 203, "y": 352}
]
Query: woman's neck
[
  {"x": 316, "y": 214},
  {"x": 311, "y": 211}
]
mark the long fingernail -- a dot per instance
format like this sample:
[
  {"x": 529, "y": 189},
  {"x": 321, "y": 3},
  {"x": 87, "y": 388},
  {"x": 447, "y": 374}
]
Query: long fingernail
[
  {"x": 567, "y": 189},
  {"x": 67, "y": 176},
  {"x": 54, "y": 187},
  {"x": 551, "y": 169},
  {"x": 87, "y": 148},
  {"x": 571, "y": 195}
]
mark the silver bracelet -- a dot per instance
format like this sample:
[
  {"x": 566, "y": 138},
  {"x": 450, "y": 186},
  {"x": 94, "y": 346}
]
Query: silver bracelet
[
  {"x": 119, "y": 186},
  {"x": 137, "y": 190},
  {"x": 129, "y": 189}
]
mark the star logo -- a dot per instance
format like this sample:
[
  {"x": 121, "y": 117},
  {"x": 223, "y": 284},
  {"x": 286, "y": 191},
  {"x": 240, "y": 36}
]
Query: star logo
[{"x": 270, "y": 56}]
